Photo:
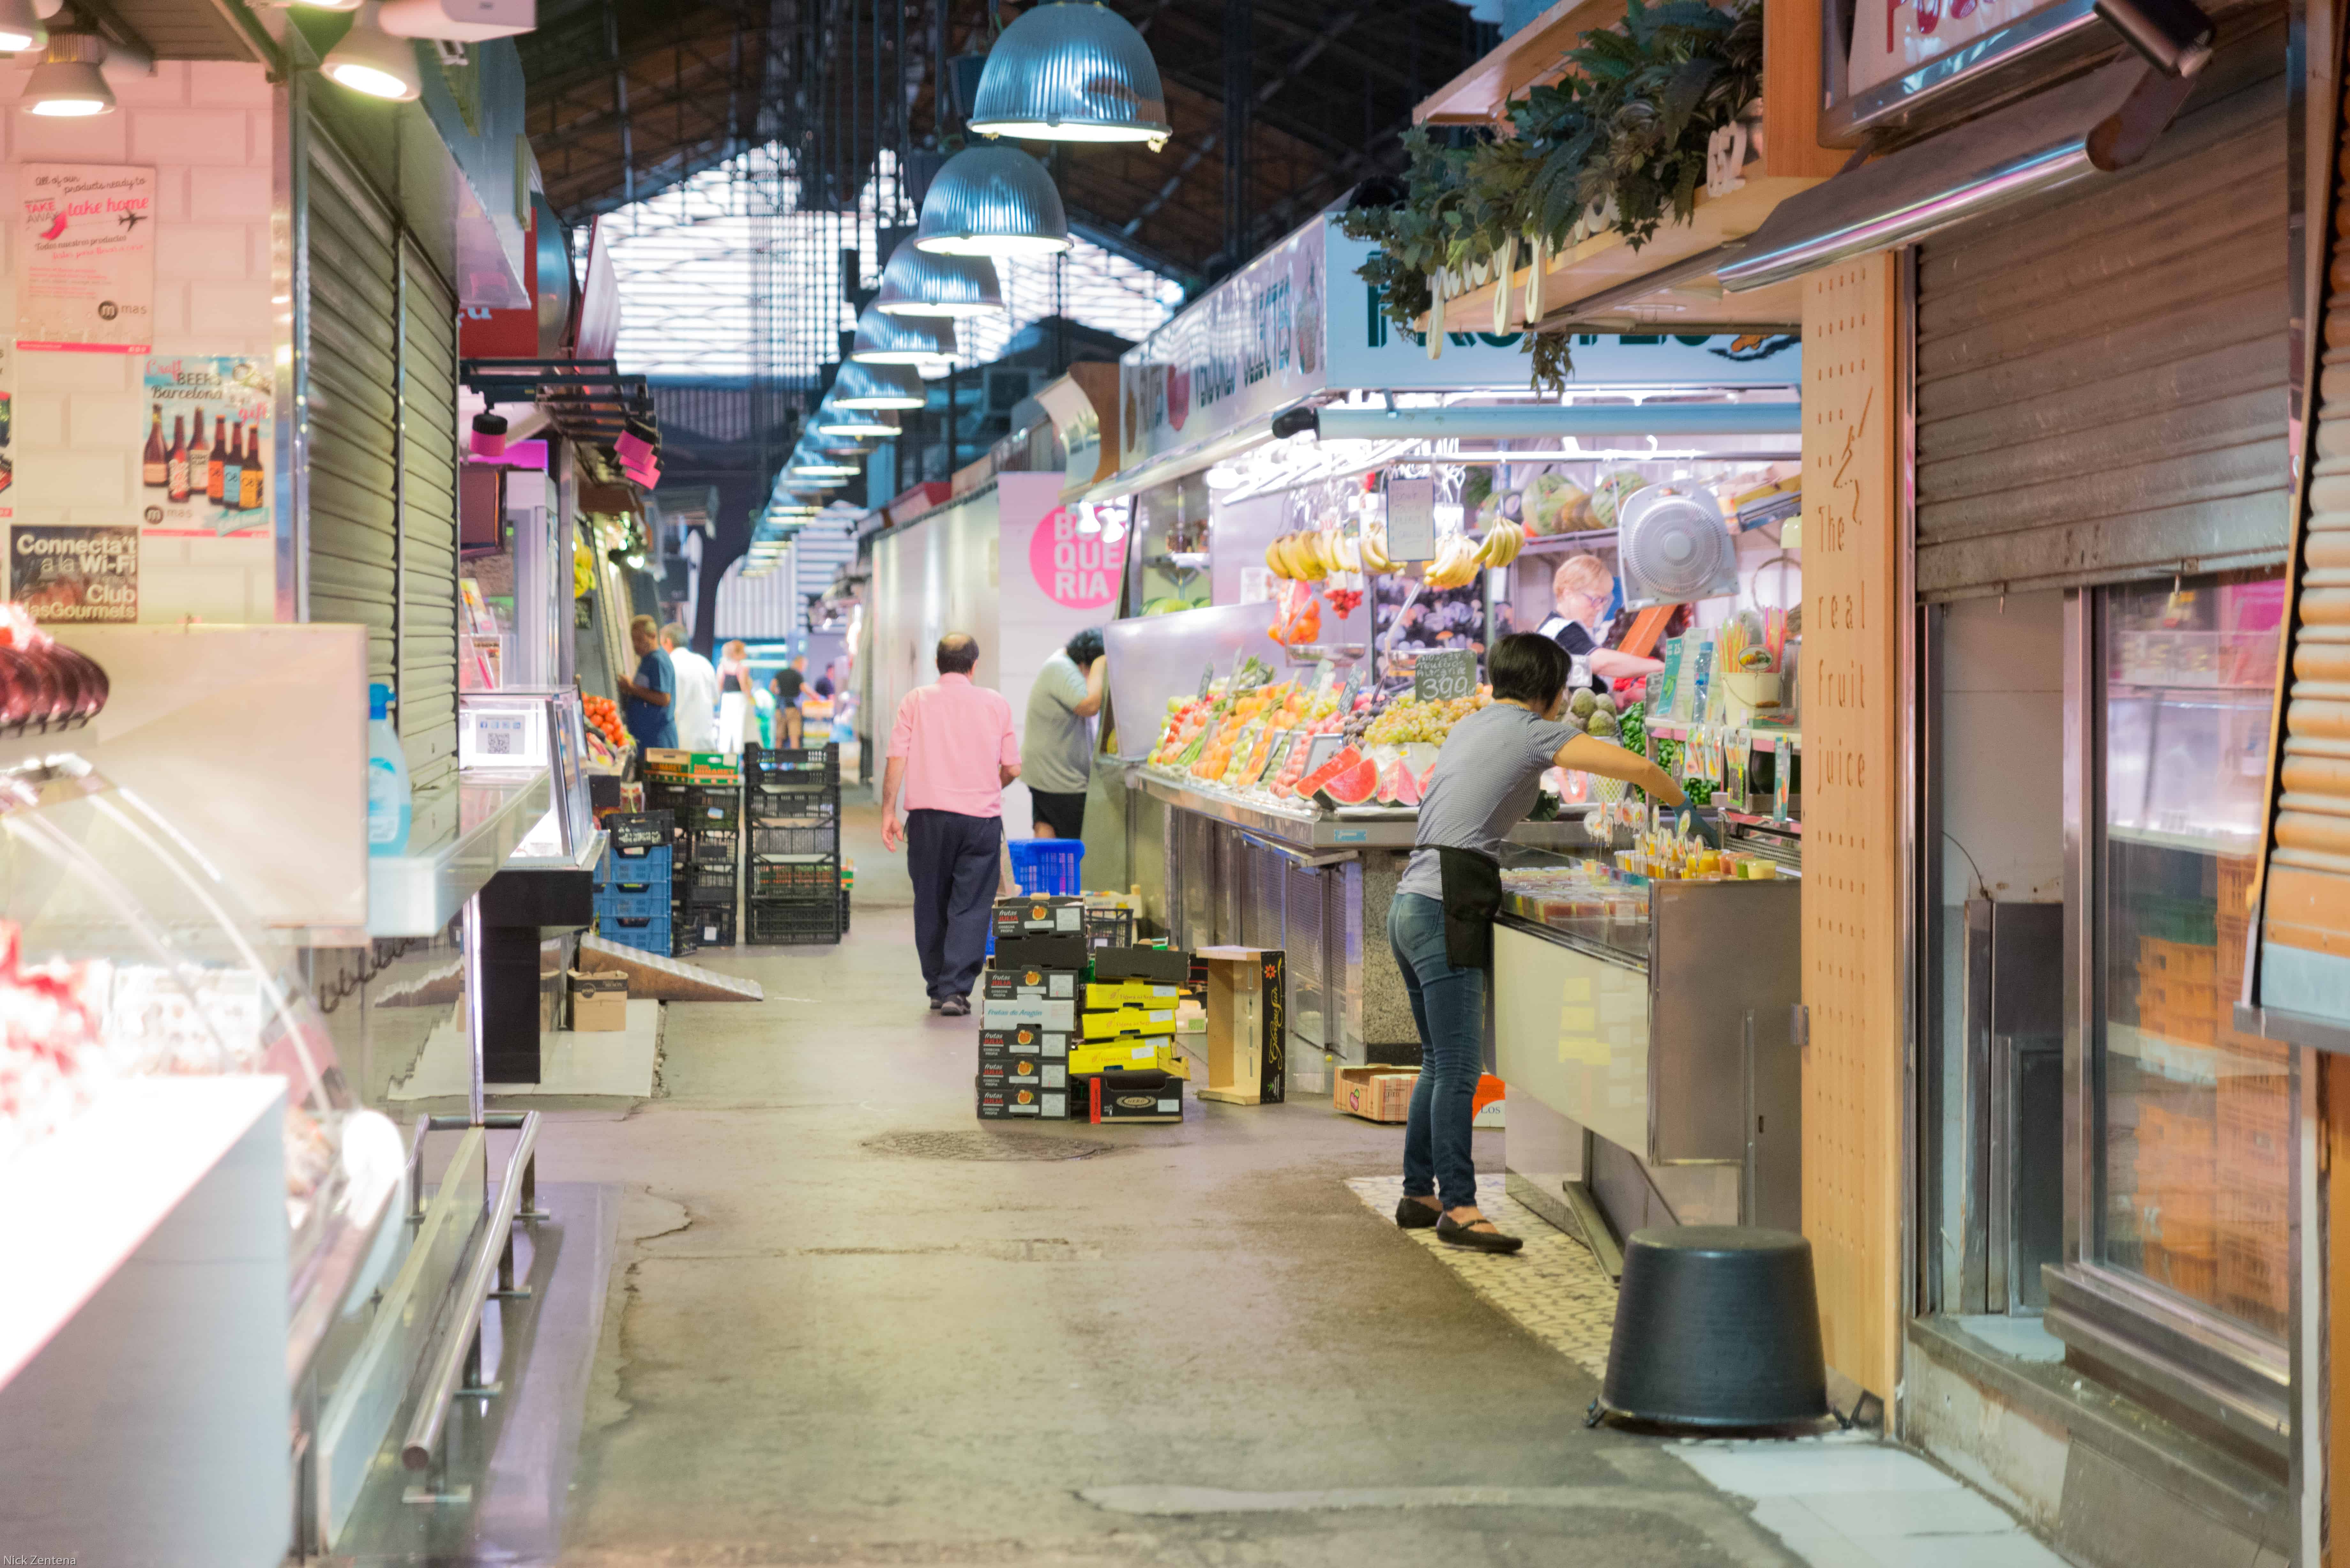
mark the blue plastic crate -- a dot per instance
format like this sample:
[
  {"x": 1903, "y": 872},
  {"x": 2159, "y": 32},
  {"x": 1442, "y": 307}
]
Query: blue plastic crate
[
  {"x": 631, "y": 901},
  {"x": 648, "y": 935},
  {"x": 1047, "y": 865},
  {"x": 620, "y": 865}
]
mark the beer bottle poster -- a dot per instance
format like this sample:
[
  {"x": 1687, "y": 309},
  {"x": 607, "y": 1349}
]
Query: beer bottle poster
[
  {"x": 204, "y": 455},
  {"x": 89, "y": 250},
  {"x": 65, "y": 573}
]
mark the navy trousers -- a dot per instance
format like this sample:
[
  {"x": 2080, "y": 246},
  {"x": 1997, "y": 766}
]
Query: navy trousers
[{"x": 954, "y": 862}]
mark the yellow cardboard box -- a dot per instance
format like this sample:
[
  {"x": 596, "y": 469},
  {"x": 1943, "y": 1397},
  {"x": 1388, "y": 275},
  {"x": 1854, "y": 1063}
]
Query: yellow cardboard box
[
  {"x": 1102, "y": 994},
  {"x": 1127, "y": 1054},
  {"x": 1130, "y": 1020}
]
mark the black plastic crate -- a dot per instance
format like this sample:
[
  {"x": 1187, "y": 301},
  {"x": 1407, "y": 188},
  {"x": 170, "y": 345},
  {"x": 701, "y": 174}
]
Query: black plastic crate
[
  {"x": 711, "y": 927},
  {"x": 710, "y": 849},
  {"x": 767, "y": 802},
  {"x": 641, "y": 829},
  {"x": 817, "y": 837},
  {"x": 795, "y": 881},
  {"x": 771, "y": 765},
  {"x": 718, "y": 896},
  {"x": 844, "y": 911},
  {"x": 777, "y": 925}
]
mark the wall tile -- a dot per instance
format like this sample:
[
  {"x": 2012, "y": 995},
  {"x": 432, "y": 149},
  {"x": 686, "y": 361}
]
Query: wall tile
[
  {"x": 215, "y": 195},
  {"x": 167, "y": 86},
  {"x": 205, "y": 250},
  {"x": 229, "y": 309},
  {"x": 38, "y": 420},
  {"x": 74, "y": 479},
  {"x": 171, "y": 194},
  {"x": 189, "y": 136},
  {"x": 227, "y": 84},
  {"x": 39, "y": 372},
  {"x": 107, "y": 421},
  {"x": 171, "y": 309},
  {"x": 100, "y": 138}
]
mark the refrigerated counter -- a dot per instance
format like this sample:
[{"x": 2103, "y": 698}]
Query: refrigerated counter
[
  {"x": 1315, "y": 884},
  {"x": 1644, "y": 1031}
]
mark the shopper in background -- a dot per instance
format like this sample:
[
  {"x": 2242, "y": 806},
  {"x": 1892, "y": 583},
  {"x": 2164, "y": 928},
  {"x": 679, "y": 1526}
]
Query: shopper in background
[
  {"x": 824, "y": 686},
  {"x": 952, "y": 753},
  {"x": 786, "y": 687},
  {"x": 1440, "y": 920},
  {"x": 647, "y": 703},
  {"x": 734, "y": 689},
  {"x": 697, "y": 690},
  {"x": 1583, "y": 591},
  {"x": 1058, "y": 744}
]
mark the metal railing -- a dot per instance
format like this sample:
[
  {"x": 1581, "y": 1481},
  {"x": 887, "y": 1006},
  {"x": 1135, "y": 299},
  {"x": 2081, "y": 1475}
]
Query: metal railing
[{"x": 453, "y": 1364}]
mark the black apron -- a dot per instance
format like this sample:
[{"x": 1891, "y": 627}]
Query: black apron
[{"x": 1472, "y": 897}]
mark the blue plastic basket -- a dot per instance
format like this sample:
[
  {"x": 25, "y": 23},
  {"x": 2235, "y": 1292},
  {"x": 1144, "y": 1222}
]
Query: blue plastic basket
[{"x": 1048, "y": 864}]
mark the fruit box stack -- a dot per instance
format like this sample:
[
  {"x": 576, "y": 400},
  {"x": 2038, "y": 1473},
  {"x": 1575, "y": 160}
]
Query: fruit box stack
[{"x": 1124, "y": 1065}]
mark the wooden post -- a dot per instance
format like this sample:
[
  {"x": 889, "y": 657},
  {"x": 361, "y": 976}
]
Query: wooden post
[{"x": 1853, "y": 779}]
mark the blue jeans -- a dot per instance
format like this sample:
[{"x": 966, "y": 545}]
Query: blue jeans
[{"x": 1449, "y": 1005}]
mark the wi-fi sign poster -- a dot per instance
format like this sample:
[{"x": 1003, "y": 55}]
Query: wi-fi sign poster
[{"x": 89, "y": 249}]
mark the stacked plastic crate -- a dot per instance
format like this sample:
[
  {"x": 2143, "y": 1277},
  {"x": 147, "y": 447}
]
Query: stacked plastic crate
[
  {"x": 632, "y": 881},
  {"x": 794, "y": 890},
  {"x": 705, "y": 791}
]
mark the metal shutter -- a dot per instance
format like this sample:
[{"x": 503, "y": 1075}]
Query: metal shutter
[
  {"x": 2304, "y": 954},
  {"x": 354, "y": 375},
  {"x": 2102, "y": 374},
  {"x": 383, "y": 452},
  {"x": 428, "y": 522}
]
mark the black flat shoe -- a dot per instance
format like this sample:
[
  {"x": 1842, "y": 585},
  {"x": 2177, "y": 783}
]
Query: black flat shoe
[
  {"x": 1416, "y": 1213},
  {"x": 936, "y": 1003},
  {"x": 1458, "y": 1235},
  {"x": 955, "y": 1007}
]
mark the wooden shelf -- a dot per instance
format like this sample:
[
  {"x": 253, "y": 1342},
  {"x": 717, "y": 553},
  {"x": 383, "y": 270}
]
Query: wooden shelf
[{"x": 1528, "y": 57}]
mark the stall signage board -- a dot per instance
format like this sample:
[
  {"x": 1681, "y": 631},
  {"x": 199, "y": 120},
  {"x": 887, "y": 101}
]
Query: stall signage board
[
  {"x": 1411, "y": 519},
  {"x": 1445, "y": 676},
  {"x": 1300, "y": 321},
  {"x": 89, "y": 259},
  {"x": 1899, "y": 36}
]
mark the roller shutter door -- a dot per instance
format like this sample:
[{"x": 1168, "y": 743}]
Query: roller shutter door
[
  {"x": 383, "y": 452},
  {"x": 427, "y": 523},
  {"x": 2304, "y": 953},
  {"x": 2100, "y": 384}
]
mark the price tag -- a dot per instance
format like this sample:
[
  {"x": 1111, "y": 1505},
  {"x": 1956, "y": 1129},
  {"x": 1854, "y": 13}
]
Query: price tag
[
  {"x": 1206, "y": 679},
  {"x": 1411, "y": 519},
  {"x": 1444, "y": 677},
  {"x": 1325, "y": 747}
]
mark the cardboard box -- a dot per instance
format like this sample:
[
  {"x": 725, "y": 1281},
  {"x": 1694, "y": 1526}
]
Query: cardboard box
[
  {"x": 1127, "y": 1054},
  {"x": 1039, "y": 952},
  {"x": 599, "y": 1000},
  {"x": 1129, "y": 1097},
  {"x": 1044, "y": 1045},
  {"x": 1053, "y": 983},
  {"x": 1248, "y": 1025},
  {"x": 1376, "y": 1094},
  {"x": 1044, "y": 915},
  {"x": 1005, "y": 1072},
  {"x": 1130, "y": 993},
  {"x": 1010, "y": 1012},
  {"x": 1120, "y": 1021},
  {"x": 1159, "y": 966},
  {"x": 1011, "y": 1103}
]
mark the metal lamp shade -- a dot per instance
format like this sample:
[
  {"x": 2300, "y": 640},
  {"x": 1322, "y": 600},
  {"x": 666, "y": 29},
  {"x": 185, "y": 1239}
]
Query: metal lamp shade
[
  {"x": 1072, "y": 72},
  {"x": 67, "y": 84},
  {"x": 832, "y": 419},
  {"x": 902, "y": 339},
  {"x": 993, "y": 202},
  {"x": 371, "y": 61},
  {"x": 878, "y": 387},
  {"x": 915, "y": 283}
]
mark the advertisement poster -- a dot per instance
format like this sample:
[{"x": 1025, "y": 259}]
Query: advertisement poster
[
  {"x": 89, "y": 259},
  {"x": 203, "y": 472},
  {"x": 1076, "y": 571},
  {"x": 70, "y": 573}
]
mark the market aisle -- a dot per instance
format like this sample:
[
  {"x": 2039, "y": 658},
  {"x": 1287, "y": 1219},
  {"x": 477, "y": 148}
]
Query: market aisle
[{"x": 820, "y": 1350}]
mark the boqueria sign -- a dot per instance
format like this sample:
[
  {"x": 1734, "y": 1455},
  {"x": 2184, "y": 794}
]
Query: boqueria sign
[{"x": 1299, "y": 321}]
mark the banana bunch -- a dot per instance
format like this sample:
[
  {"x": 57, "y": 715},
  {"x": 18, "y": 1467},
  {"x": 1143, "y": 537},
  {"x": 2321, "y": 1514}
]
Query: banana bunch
[
  {"x": 1503, "y": 542},
  {"x": 1456, "y": 564},
  {"x": 1308, "y": 555},
  {"x": 1373, "y": 548}
]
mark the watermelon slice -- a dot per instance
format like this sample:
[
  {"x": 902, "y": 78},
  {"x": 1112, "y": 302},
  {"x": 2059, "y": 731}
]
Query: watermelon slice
[
  {"x": 1406, "y": 783},
  {"x": 1343, "y": 759},
  {"x": 1350, "y": 787}
]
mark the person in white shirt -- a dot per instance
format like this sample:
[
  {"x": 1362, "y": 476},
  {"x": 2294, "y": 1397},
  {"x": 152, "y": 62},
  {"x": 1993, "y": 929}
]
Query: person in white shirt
[
  {"x": 737, "y": 714},
  {"x": 697, "y": 691}
]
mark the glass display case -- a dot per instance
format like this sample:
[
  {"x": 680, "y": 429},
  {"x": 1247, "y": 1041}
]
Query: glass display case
[
  {"x": 2195, "y": 1120},
  {"x": 123, "y": 954}
]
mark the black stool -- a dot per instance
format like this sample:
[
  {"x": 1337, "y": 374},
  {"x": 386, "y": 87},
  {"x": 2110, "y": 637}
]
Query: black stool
[{"x": 1716, "y": 1326}]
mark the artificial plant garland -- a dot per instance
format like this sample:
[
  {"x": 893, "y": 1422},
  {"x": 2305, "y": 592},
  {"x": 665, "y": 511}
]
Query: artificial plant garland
[{"x": 1619, "y": 143}]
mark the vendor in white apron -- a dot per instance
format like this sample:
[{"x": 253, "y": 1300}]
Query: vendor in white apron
[{"x": 1583, "y": 591}]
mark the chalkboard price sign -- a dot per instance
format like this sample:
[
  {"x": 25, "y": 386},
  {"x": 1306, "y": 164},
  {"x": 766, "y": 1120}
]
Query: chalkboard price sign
[{"x": 1445, "y": 676}]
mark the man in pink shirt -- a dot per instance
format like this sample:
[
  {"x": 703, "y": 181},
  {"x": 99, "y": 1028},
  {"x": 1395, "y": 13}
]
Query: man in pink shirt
[{"x": 952, "y": 753}]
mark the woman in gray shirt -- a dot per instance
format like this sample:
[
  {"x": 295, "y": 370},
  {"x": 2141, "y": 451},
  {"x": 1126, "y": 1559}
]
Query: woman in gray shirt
[{"x": 1486, "y": 779}]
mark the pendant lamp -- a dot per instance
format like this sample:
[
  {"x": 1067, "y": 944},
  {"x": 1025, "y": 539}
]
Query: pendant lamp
[
  {"x": 861, "y": 385},
  {"x": 1071, "y": 72},
  {"x": 371, "y": 61},
  {"x": 834, "y": 421},
  {"x": 21, "y": 27},
  {"x": 993, "y": 202},
  {"x": 915, "y": 283},
  {"x": 66, "y": 85},
  {"x": 902, "y": 340}
]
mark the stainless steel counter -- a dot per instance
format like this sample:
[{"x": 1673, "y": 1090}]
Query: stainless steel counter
[{"x": 1349, "y": 828}]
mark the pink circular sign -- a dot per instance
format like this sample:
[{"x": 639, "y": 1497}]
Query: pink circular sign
[{"x": 1077, "y": 570}]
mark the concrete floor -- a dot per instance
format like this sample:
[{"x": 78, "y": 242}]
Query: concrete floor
[{"x": 819, "y": 1352}]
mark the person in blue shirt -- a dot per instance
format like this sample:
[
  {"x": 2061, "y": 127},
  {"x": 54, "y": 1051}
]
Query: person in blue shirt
[{"x": 647, "y": 703}]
